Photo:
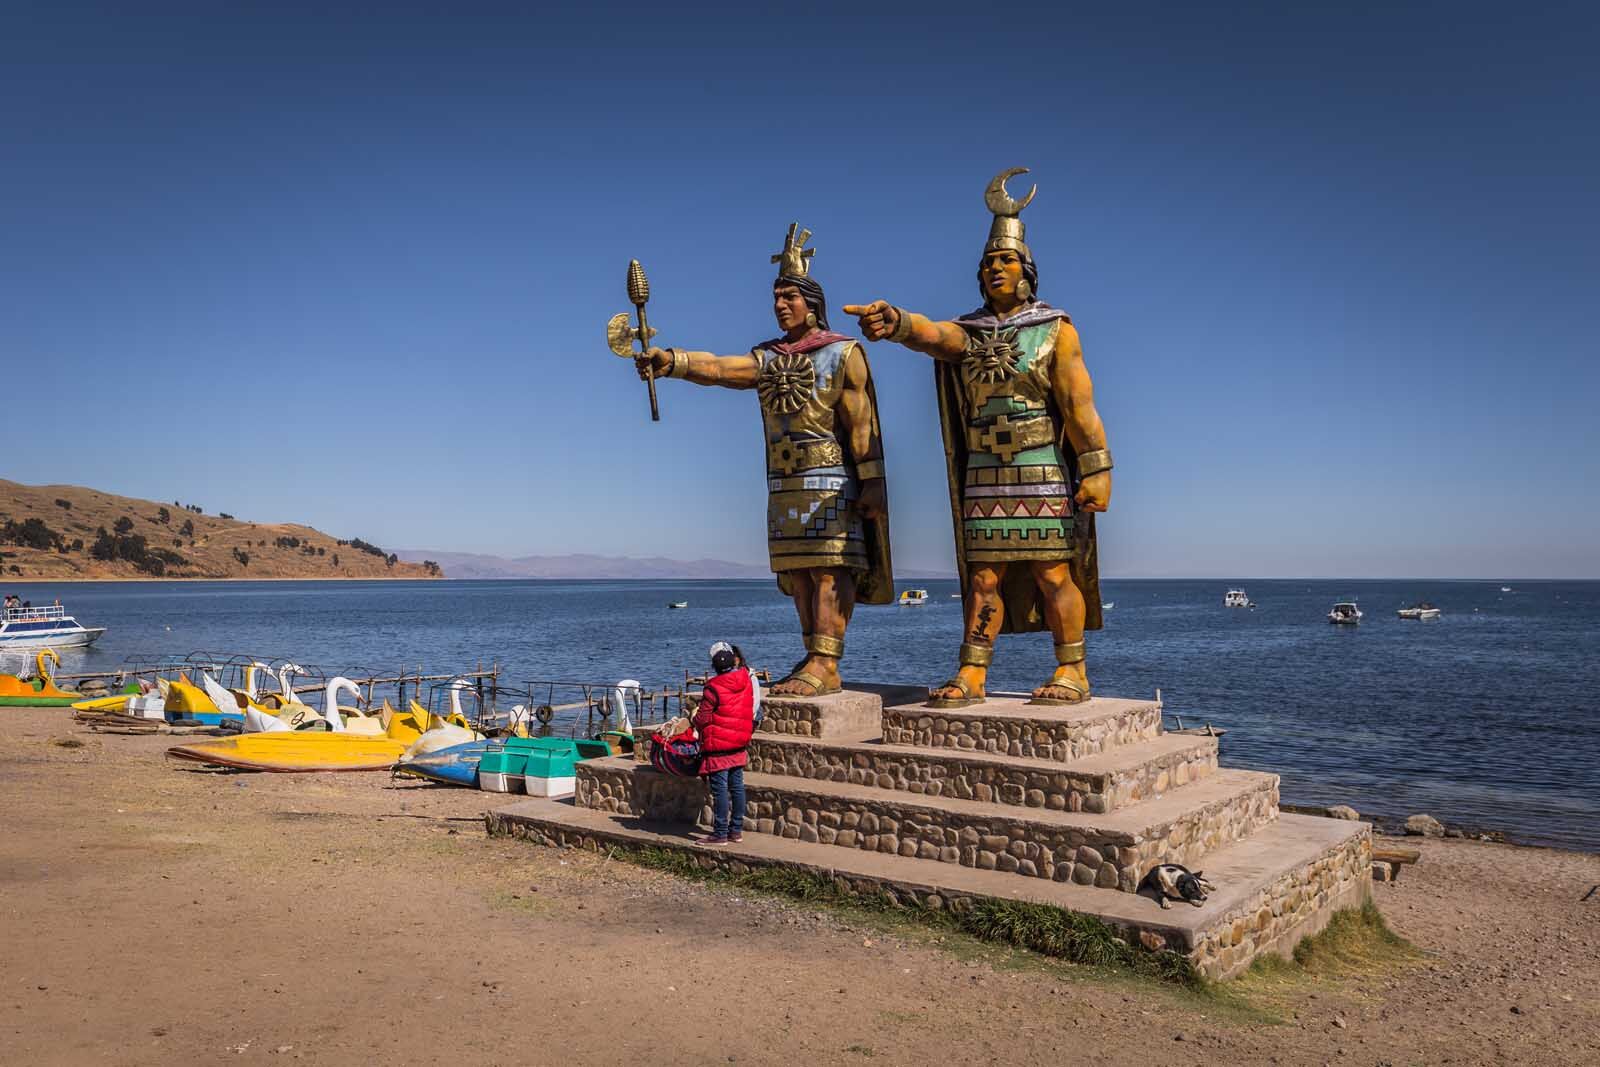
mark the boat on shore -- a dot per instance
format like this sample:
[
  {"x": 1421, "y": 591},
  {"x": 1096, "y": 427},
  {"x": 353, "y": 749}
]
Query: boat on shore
[
  {"x": 27, "y": 629},
  {"x": 40, "y": 692},
  {"x": 1344, "y": 613},
  {"x": 912, "y": 598},
  {"x": 1422, "y": 610}
]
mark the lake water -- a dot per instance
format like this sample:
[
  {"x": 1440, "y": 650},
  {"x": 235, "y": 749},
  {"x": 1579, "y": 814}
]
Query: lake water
[{"x": 1485, "y": 717}]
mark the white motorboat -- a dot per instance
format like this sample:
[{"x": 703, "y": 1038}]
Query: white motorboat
[
  {"x": 912, "y": 597},
  {"x": 1235, "y": 598},
  {"x": 52, "y": 627},
  {"x": 1423, "y": 610},
  {"x": 1345, "y": 613}
]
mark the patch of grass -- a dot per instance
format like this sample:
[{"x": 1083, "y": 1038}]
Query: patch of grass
[
  {"x": 1355, "y": 941},
  {"x": 1037, "y": 928},
  {"x": 1356, "y": 944}
]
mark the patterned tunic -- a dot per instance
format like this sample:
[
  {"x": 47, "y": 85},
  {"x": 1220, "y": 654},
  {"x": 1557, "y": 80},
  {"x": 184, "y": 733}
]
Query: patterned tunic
[
  {"x": 1016, "y": 500},
  {"x": 811, "y": 475}
]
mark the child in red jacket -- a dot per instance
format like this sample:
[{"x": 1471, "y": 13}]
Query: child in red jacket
[{"x": 724, "y": 722}]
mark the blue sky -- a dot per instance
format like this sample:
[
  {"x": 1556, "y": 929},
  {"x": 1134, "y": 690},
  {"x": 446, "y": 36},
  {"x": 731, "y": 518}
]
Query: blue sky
[{"x": 1332, "y": 270}]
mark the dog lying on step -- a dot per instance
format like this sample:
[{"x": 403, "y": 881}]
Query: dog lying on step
[{"x": 1173, "y": 881}]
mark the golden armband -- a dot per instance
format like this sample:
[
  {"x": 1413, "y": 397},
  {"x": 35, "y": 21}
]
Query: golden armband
[
  {"x": 869, "y": 469},
  {"x": 1095, "y": 462}
]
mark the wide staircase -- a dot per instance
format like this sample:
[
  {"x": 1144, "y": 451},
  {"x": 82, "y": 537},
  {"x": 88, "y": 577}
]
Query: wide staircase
[{"x": 1067, "y": 806}]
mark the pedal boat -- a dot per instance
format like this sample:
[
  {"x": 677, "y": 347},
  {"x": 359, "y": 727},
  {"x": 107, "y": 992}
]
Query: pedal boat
[
  {"x": 40, "y": 692},
  {"x": 309, "y": 750}
]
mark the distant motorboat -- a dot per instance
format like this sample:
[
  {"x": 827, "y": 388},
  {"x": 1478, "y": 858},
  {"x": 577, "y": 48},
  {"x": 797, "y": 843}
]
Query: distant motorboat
[
  {"x": 1107, "y": 605},
  {"x": 1345, "y": 613},
  {"x": 1423, "y": 610},
  {"x": 1236, "y": 598},
  {"x": 913, "y": 597},
  {"x": 678, "y": 604},
  {"x": 1505, "y": 589},
  {"x": 51, "y": 627}
]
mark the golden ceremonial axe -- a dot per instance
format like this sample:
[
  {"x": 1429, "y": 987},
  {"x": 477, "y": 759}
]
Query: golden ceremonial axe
[{"x": 621, "y": 335}]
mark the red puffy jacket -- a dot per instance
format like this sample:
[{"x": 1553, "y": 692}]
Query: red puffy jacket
[{"x": 724, "y": 719}]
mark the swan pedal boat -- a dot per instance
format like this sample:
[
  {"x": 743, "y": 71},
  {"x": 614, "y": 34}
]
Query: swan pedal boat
[
  {"x": 376, "y": 747},
  {"x": 39, "y": 693}
]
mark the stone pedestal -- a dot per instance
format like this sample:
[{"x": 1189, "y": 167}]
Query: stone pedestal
[{"x": 1070, "y": 806}]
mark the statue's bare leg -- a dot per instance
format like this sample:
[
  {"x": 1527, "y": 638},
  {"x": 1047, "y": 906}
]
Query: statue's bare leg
[
  {"x": 830, "y": 599},
  {"x": 1064, "y": 612},
  {"x": 985, "y": 611}
]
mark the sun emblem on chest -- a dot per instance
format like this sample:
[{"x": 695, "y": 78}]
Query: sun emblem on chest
[
  {"x": 786, "y": 383},
  {"x": 991, "y": 357}
]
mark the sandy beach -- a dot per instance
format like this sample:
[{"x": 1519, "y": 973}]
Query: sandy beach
[{"x": 156, "y": 913}]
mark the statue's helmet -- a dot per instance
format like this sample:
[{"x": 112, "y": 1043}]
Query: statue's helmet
[
  {"x": 1006, "y": 232},
  {"x": 794, "y": 268}
]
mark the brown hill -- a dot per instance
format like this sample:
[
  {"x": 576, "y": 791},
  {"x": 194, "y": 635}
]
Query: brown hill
[{"x": 67, "y": 531}]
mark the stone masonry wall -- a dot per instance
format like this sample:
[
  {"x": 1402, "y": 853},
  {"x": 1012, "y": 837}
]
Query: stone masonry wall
[
  {"x": 1296, "y": 905},
  {"x": 1042, "y": 738},
  {"x": 1110, "y": 860},
  {"x": 944, "y": 773}
]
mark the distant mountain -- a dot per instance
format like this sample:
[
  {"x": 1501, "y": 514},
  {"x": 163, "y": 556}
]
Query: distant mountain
[
  {"x": 474, "y": 565},
  {"x": 67, "y": 531}
]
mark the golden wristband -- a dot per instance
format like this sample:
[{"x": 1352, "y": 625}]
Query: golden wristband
[
  {"x": 1095, "y": 462},
  {"x": 866, "y": 470},
  {"x": 680, "y": 363},
  {"x": 902, "y": 325}
]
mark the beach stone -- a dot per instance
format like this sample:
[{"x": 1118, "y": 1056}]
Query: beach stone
[
  {"x": 1424, "y": 826},
  {"x": 1343, "y": 811}
]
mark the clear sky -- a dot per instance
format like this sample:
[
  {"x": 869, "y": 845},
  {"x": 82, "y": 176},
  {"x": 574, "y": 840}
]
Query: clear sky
[{"x": 1334, "y": 270}]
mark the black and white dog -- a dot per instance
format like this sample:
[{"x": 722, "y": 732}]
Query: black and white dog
[{"x": 1173, "y": 881}]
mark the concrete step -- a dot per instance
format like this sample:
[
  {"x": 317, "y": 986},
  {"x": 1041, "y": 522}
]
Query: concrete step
[
  {"x": 1278, "y": 886},
  {"x": 1112, "y": 850},
  {"x": 1007, "y": 725},
  {"x": 1109, "y": 781}
]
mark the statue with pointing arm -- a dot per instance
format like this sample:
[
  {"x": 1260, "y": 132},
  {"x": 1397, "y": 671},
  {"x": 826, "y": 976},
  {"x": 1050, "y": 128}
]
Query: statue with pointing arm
[{"x": 1027, "y": 460}]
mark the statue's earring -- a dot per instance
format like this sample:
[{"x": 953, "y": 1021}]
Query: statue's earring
[
  {"x": 811, "y": 319},
  {"x": 1025, "y": 290}
]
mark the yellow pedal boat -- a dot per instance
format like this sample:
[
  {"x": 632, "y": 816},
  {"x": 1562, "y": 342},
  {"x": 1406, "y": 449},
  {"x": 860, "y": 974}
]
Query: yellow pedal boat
[
  {"x": 305, "y": 751},
  {"x": 40, "y": 693}
]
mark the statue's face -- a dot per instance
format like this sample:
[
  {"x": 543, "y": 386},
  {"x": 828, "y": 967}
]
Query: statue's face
[
  {"x": 1002, "y": 274},
  {"x": 789, "y": 306}
]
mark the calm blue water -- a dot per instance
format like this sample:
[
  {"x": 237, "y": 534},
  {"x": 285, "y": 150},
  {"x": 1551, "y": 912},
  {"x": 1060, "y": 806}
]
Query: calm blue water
[{"x": 1486, "y": 717}]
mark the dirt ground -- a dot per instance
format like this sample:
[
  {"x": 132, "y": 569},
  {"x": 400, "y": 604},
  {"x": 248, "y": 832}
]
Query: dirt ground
[{"x": 155, "y": 913}]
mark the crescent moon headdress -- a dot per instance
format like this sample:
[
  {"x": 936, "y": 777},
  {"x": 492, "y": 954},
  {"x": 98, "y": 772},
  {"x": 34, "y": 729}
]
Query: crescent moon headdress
[{"x": 1006, "y": 231}]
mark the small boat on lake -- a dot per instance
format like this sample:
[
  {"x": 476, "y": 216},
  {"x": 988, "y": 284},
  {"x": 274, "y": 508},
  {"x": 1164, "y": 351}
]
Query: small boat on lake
[
  {"x": 1236, "y": 598},
  {"x": 912, "y": 598},
  {"x": 40, "y": 692},
  {"x": 1423, "y": 610},
  {"x": 1107, "y": 605},
  {"x": 678, "y": 604},
  {"x": 1345, "y": 613},
  {"x": 1505, "y": 589},
  {"x": 52, "y": 627}
]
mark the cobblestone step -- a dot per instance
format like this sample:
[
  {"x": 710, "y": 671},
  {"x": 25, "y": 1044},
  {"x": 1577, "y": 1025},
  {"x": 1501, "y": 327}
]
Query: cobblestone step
[
  {"x": 1280, "y": 885},
  {"x": 1111, "y": 851},
  {"x": 1007, "y": 725},
  {"x": 1109, "y": 781}
]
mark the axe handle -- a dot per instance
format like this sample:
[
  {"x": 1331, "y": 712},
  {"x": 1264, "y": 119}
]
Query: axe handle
[{"x": 650, "y": 370}]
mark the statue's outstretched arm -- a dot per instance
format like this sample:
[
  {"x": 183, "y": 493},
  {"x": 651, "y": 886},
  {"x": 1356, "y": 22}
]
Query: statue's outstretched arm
[
  {"x": 1074, "y": 393},
  {"x": 881, "y": 320},
  {"x": 701, "y": 368}
]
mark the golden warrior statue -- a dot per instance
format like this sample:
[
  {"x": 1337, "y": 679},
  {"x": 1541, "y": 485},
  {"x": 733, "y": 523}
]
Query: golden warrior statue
[
  {"x": 827, "y": 511},
  {"x": 1013, "y": 390}
]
